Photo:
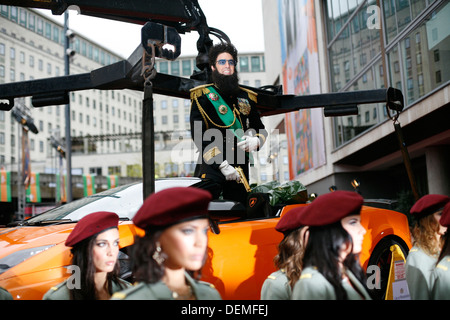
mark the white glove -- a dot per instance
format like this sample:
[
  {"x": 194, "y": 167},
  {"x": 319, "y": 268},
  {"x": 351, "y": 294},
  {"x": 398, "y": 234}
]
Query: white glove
[
  {"x": 249, "y": 143},
  {"x": 228, "y": 171}
]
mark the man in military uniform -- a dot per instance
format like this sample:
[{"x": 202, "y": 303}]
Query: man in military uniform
[{"x": 225, "y": 126}]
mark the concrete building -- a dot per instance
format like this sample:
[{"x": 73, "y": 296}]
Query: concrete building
[{"x": 356, "y": 45}]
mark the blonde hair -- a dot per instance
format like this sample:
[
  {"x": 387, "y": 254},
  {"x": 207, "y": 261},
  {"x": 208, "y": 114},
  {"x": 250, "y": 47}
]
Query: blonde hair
[{"x": 425, "y": 235}]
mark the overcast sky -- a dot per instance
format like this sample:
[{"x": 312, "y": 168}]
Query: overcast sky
[{"x": 241, "y": 20}]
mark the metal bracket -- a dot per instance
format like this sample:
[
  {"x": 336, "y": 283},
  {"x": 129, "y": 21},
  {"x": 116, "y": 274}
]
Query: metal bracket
[{"x": 148, "y": 66}]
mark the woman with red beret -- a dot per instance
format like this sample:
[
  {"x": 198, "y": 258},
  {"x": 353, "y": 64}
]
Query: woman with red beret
[
  {"x": 441, "y": 274},
  {"x": 173, "y": 249},
  {"x": 426, "y": 234},
  {"x": 289, "y": 260},
  {"x": 332, "y": 270},
  {"x": 95, "y": 249}
]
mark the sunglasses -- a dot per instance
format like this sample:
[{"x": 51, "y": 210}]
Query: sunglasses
[{"x": 222, "y": 62}]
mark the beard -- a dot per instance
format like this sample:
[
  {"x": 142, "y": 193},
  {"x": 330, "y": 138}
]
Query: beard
[{"x": 228, "y": 84}]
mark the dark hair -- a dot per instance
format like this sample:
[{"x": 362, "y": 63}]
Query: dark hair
[
  {"x": 220, "y": 48},
  {"x": 82, "y": 257},
  {"x": 145, "y": 268},
  {"x": 290, "y": 255},
  {"x": 323, "y": 252}
]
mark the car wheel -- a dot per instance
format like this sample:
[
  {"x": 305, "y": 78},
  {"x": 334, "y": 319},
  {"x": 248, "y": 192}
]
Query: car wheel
[{"x": 381, "y": 257}]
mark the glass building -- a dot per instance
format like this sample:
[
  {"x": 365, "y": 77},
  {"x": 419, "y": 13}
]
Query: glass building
[{"x": 364, "y": 45}]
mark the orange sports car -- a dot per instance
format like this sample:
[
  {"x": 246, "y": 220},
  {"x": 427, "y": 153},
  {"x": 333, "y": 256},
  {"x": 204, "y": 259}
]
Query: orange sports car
[{"x": 33, "y": 256}]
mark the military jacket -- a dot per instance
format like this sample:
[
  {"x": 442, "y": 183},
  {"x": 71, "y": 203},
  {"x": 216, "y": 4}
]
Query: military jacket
[
  {"x": 276, "y": 287},
  {"x": 312, "y": 285},
  {"x": 441, "y": 275},
  {"x": 5, "y": 295},
  {"x": 159, "y": 291},
  {"x": 206, "y": 115},
  {"x": 62, "y": 292},
  {"x": 419, "y": 267}
]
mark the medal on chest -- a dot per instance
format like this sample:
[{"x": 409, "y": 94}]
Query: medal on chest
[{"x": 244, "y": 106}]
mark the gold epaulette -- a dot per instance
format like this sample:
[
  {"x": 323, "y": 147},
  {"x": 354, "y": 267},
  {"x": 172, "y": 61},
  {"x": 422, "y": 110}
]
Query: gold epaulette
[
  {"x": 200, "y": 90},
  {"x": 251, "y": 94},
  {"x": 119, "y": 295}
]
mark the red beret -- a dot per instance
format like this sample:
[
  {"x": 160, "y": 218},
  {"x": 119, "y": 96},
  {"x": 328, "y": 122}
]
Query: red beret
[
  {"x": 331, "y": 207},
  {"x": 290, "y": 220},
  {"x": 429, "y": 204},
  {"x": 445, "y": 217},
  {"x": 90, "y": 225},
  {"x": 171, "y": 206}
]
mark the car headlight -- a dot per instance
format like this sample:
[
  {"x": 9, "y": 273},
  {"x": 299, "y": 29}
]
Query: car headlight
[{"x": 19, "y": 256}]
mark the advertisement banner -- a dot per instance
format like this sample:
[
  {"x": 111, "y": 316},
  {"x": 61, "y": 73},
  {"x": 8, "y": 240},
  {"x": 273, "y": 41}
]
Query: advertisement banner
[
  {"x": 89, "y": 185},
  {"x": 113, "y": 181},
  {"x": 33, "y": 191},
  {"x": 5, "y": 186},
  {"x": 61, "y": 188},
  {"x": 300, "y": 71}
]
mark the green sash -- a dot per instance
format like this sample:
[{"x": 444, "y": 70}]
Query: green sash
[{"x": 228, "y": 117}]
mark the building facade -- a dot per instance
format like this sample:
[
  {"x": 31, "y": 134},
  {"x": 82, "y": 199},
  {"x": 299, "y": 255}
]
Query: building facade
[{"x": 357, "y": 45}]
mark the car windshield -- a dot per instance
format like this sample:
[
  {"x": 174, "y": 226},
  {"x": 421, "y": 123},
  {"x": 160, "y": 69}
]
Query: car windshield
[{"x": 124, "y": 201}]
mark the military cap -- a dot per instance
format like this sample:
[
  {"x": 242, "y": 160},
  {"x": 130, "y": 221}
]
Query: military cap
[
  {"x": 290, "y": 220},
  {"x": 172, "y": 205},
  {"x": 331, "y": 207},
  {"x": 90, "y": 225},
  {"x": 428, "y": 204},
  {"x": 445, "y": 217}
]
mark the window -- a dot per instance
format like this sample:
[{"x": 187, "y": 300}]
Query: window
[
  {"x": 256, "y": 64},
  {"x": 164, "y": 67},
  {"x": 186, "y": 67},
  {"x": 32, "y": 22},
  {"x": 243, "y": 64},
  {"x": 175, "y": 67},
  {"x": 48, "y": 30},
  {"x": 55, "y": 34}
]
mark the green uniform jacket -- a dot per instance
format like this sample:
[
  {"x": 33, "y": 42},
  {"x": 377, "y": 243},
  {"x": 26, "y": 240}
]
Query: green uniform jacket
[
  {"x": 276, "y": 287},
  {"x": 159, "y": 291},
  {"x": 313, "y": 286},
  {"x": 419, "y": 267},
  {"x": 62, "y": 292},
  {"x": 441, "y": 275},
  {"x": 5, "y": 295}
]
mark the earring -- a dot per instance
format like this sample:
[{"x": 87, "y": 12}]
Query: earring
[{"x": 157, "y": 255}]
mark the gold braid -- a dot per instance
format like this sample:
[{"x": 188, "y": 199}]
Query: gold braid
[{"x": 205, "y": 116}]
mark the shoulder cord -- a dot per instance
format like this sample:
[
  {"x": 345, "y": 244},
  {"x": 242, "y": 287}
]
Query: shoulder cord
[{"x": 205, "y": 116}]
